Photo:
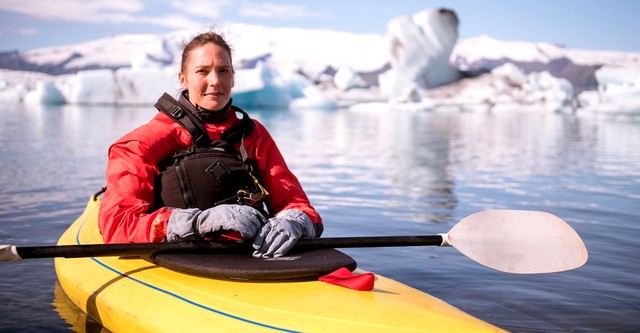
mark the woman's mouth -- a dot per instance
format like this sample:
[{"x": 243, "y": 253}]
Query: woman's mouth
[{"x": 213, "y": 94}]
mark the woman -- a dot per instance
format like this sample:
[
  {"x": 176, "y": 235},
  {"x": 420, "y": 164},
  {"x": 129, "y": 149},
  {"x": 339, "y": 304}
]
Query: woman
[{"x": 131, "y": 209}]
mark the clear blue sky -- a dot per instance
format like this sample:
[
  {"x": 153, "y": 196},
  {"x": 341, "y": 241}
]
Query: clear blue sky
[{"x": 585, "y": 24}]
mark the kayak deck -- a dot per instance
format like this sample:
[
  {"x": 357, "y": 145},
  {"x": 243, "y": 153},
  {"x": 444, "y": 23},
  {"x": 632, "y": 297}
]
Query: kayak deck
[{"x": 135, "y": 295}]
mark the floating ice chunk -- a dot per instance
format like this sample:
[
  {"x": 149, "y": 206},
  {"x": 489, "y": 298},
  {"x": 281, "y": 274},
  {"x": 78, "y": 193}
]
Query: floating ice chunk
[
  {"x": 90, "y": 87},
  {"x": 550, "y": 88},
  {"x": 12, "y": 94},
  {"x": 511, "y": 74},
  {"x": 346, "y": 79},
  {"x": 270, "y": 88},
  {"x": 613, "y": 81},
  {"x": 618, "y": 91},
  {"x": 420, "y": 46},
  {"x": 145, "y": 85},
  {"x": 44, "y": 93},
  {"x": 248, "y": 79}
]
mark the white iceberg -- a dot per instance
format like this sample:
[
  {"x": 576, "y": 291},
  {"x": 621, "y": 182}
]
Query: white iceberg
[
  {"x": 44, "y": 93},
  {"x": 143, "y": 86},
  {"x": 345, "y": 79},
  {"x": 506, "y": 88},
  {"x": 618, "y": 91},
  {"x": 268, "y": 87},
  {"x": 91, "y": 87},
  {"x": 420, "y": 46}
]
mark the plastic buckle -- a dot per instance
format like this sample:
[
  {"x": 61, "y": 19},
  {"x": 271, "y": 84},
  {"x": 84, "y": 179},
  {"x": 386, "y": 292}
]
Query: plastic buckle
[{"x": 176, "y": 112}]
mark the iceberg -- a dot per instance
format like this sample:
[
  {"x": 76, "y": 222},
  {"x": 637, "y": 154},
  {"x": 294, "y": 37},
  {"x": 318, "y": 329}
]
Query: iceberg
[
  {"x": 12, "y": 94},
  {"x": 44, "y": 93},
  {"x": 261, "y": 87},
  {"x": 617, "y": 81},
  {"x": 16, "y": 85},
  {"x": 618, "y": 91},
  {"x": 143, "y": 86},
  {"x": 420, "y": 46},
  {"x": 506, "y": 88},
  {"x": 345, "y": 78},
  {"x": 268, "y": 87},
  {"x": 90, "y": 87}
]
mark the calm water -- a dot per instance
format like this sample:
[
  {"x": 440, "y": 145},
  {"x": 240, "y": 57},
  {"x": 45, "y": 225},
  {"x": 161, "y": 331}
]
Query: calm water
[{"x": 398, "y": 173}]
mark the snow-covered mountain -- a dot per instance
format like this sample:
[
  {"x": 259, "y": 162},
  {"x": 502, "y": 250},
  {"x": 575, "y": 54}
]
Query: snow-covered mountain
[
  {"x": 325, "y": 68},
  {"x": 289, "y": 49}
]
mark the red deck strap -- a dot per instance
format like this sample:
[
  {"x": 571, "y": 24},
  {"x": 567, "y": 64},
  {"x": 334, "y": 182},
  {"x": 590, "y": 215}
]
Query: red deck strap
[{"x": 344, "y": 277}]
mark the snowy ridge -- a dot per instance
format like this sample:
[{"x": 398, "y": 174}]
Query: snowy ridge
[
  {"x": 471, "y": 53},
  {"x": 304, "y": 48}
]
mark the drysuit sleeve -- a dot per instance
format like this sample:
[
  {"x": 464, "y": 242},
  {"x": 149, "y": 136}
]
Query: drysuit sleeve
[
  {"x": 125, "y": 214},
  {"x": 284, "y": 187}
]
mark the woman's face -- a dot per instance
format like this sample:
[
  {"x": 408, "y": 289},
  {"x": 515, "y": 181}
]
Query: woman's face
[{"x": 208, "y": 76}]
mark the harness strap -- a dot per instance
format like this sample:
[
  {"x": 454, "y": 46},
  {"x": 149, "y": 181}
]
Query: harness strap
[
  {"x": 239, "y": 132},
  {"x": 172, "y": 108},
  {"x": 169, "y": 106}
]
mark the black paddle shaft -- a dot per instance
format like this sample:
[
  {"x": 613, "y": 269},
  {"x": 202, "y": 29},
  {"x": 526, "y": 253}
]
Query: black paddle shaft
[
  {"x": 145, "y": 249},
  {"x": 369, "y": 241}
]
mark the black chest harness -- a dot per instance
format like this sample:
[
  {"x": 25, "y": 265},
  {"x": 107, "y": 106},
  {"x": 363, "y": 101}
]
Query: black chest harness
[{"x": 209, "y": 172}]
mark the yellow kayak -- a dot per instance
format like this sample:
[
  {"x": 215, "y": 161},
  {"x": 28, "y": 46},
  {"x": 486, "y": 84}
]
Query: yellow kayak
[{"x": 136, "y": 295}]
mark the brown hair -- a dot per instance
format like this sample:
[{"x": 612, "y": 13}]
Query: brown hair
[{"x": 203, "y": 39}]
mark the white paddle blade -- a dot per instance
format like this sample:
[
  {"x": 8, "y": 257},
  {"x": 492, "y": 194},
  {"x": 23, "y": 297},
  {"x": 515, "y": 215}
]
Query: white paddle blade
[
  {"x": 9, "y": 253},
  {"x": 519, "y": 241}
]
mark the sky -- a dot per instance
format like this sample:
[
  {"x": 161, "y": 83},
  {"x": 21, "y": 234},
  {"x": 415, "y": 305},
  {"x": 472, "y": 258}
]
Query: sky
[{"x": 580, "y": 24}]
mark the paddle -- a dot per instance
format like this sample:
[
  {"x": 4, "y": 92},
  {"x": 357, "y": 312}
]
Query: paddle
[{"x": 512, "y": 241}]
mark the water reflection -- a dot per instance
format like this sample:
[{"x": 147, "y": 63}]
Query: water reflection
[
  {"x": 374, "y": 173},
  {"x": 79, "y": 321},
  {"x": 371, "y": 162}
]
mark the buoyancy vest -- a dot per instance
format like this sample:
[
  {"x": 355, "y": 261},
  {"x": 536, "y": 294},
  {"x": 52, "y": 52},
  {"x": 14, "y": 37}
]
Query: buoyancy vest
[{"x": 209, "y": 172}]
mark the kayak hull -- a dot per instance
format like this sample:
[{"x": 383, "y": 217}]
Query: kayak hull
[{"x": 135, "y": 295}]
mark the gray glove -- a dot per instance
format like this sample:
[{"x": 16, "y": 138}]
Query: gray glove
[
  {"x": 280, "y": 233},
  {"x": 193, "y": 222}
]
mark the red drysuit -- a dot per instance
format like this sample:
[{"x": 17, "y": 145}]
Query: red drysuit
[{"x": 125, "y": 214}]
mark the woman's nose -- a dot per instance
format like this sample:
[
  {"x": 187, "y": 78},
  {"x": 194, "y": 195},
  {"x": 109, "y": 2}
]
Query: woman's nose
[{"x": 213, "y": 78}]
